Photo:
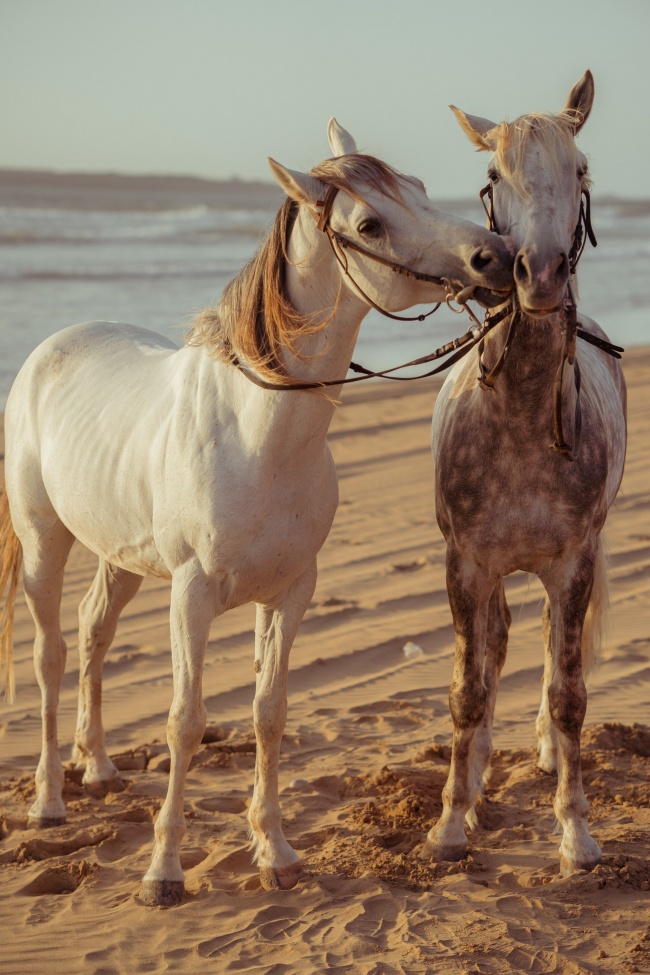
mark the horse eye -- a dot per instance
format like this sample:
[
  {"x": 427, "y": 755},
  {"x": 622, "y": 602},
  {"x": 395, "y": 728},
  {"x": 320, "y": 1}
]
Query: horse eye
[
  {"x": 493, "y": 176},
  {"x": 370, "y": 227}
]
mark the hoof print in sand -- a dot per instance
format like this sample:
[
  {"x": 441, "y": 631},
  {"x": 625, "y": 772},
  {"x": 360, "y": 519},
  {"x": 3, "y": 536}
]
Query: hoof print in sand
[{"x": 63, "y": 878}]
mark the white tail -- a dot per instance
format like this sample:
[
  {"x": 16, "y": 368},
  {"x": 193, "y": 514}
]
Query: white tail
[
  {"x": 11, "y": 557},
  {"x": 594, "y": 629}
]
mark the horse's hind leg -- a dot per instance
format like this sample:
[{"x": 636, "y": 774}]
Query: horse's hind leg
[
  {"x": 99, "y": 611},
  {"x": 546, "y": 732},
  {"x": 498, "y": 625},
  {"x": 45, "y": 550},
  {"x": 275, "y": 629}
]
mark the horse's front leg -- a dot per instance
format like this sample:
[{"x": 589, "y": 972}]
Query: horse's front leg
[
  {"x": 469, "y": 593},
  {"x": 193, "y": 607},
  {"x": 569, "y": 587},
  {"x": 496, "y": 648},
  {"x": 275, "y": 629}
]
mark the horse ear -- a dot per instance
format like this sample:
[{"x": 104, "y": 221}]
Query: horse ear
[
  {"x": 301, "y": 187},
  {"x": 340, "y": 140},
  {"x": 476, "y": 129},
  {"x": 578, "y": 104}
]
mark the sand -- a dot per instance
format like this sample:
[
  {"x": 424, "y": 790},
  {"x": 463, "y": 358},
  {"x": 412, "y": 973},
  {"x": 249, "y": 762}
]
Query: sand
[{"x": 364, "y": 759}]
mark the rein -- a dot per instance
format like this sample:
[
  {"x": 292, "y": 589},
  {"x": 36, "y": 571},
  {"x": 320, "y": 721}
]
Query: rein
[
  {"x": 460, "y": 346},
  {"x": 572, "y": 330}
]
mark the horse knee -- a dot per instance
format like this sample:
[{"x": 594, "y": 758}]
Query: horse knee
[
  {"x": 269, "y": 716},
  {"x": 568, "y": 706},
  {"x": 467, "y": 703},
  {"x": 185, "y": 728}
]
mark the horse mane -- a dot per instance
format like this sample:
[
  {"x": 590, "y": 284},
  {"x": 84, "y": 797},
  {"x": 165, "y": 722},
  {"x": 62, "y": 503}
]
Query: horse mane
[
  {"x": 555, "y": 134},
  {"x": 254, "y": 319}
]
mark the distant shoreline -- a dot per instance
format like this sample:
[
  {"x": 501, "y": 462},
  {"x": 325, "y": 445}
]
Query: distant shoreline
[
  {"x": 116, "y": 191},
  {"x": 47, "y": 189}
]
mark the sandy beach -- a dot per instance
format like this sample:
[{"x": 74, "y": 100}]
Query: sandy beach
[{"x": 365, "y": 756}]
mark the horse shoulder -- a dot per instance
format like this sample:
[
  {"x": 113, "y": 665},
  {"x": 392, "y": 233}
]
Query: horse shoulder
[{"x": 450, "y": 401}]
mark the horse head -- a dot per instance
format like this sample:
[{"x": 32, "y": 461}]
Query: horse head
[{"x": 537, "y": 178}]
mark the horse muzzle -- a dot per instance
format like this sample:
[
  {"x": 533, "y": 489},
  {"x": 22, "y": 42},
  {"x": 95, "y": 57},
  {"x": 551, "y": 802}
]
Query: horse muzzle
[{"x": 541, "y": 281}]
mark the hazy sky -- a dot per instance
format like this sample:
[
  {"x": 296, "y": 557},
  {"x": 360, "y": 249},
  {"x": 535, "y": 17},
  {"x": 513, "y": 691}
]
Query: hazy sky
[{"x": 210, "y": 87}]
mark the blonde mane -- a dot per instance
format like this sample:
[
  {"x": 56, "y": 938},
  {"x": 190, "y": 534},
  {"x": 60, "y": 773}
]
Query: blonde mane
[
  {"x": 255, "y": 320},
  {"x": 554, "y": 133}
]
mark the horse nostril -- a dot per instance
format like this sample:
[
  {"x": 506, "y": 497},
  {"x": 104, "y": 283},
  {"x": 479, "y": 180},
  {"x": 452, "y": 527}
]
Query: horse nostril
[
  {"x": 520, "y": 269},
  {"x": 481, "y": 259},
  {"x": 563, "y": 266}
]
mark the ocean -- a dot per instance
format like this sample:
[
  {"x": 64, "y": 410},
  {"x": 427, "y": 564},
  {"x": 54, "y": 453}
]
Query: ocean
[{"x": 153, "y": 257}]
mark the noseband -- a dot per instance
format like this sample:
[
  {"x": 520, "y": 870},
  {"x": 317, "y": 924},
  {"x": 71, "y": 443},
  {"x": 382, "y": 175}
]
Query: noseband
[
  {"x": 341, "y": 244},
  {"x": 572, "y": 330}
]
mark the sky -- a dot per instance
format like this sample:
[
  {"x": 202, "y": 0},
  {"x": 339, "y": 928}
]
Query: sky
[{"x": 213, "y": 87}]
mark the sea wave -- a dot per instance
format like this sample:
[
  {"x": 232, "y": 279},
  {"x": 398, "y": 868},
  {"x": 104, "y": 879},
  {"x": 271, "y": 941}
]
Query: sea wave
[
  {"x": 121, "y": 274},
  {"x": 22, "y": 225}
]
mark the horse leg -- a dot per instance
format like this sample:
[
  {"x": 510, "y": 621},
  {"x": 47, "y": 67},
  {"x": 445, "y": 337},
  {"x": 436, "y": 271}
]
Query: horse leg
[
  {"x": 99, "y": 611},
  {"x": 469, "y": 595},
  {"x": 546, "y": 733},
  {"x": 45, "y": 549},
  {"x": 498, "y": 624},
  {"x": 569, "y": 588},
  {"x": 275, "y": 629},
  {"x": 194, "y": 605}
]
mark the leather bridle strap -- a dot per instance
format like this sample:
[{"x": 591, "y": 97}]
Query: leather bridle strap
[
  {"x": 568, "y": 355},
  {"x": 486, "y": 381},
  {"x": 343, "y": 244},
  {"x": 487, "y": 191},
  {"x": 340, "y": 244},
  {"x": 583, "y": 225}
]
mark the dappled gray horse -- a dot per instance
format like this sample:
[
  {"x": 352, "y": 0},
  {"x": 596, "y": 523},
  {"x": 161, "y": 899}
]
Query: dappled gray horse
[{"x": 529, "y": 437}]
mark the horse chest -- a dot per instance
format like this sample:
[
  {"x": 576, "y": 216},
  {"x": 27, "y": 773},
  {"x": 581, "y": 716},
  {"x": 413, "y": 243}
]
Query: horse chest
[
  {"x": 516, "y": 510},
  {"x": 258, "y": 526}
]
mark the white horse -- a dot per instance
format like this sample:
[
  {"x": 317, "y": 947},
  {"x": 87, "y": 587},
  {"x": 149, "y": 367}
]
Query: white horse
[
  {"x": 504, "y": 500},
  {"x": 173, "y": 463}
]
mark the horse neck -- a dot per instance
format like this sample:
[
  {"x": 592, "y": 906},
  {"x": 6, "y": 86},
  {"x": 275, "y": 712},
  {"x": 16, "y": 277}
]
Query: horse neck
[
  {"x": 314, "y": 289},
  {"x": 289, "y": 422}
]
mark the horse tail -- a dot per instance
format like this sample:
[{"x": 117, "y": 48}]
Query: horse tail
[
  {"x": 593, "y": 631},
  {"x": 11, "y": 557}
]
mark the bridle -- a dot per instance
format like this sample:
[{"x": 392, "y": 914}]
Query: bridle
[
  {"x": 579, "y": 239},
  {"x": 341, "y": 244},
  {"x": 572, "y": 330},
  {"x": 455, "y": 349}
]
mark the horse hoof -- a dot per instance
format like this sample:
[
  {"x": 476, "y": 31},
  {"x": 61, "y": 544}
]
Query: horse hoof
[
  {"x": 281, "y": 878},
  {"x": 435, "y": 851},
  {"x": 45, "y": 822},
  {"x": 163, "y": 893},
  {"x": 101, "y": 788},
  {"x": 568, "y": 867}
]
